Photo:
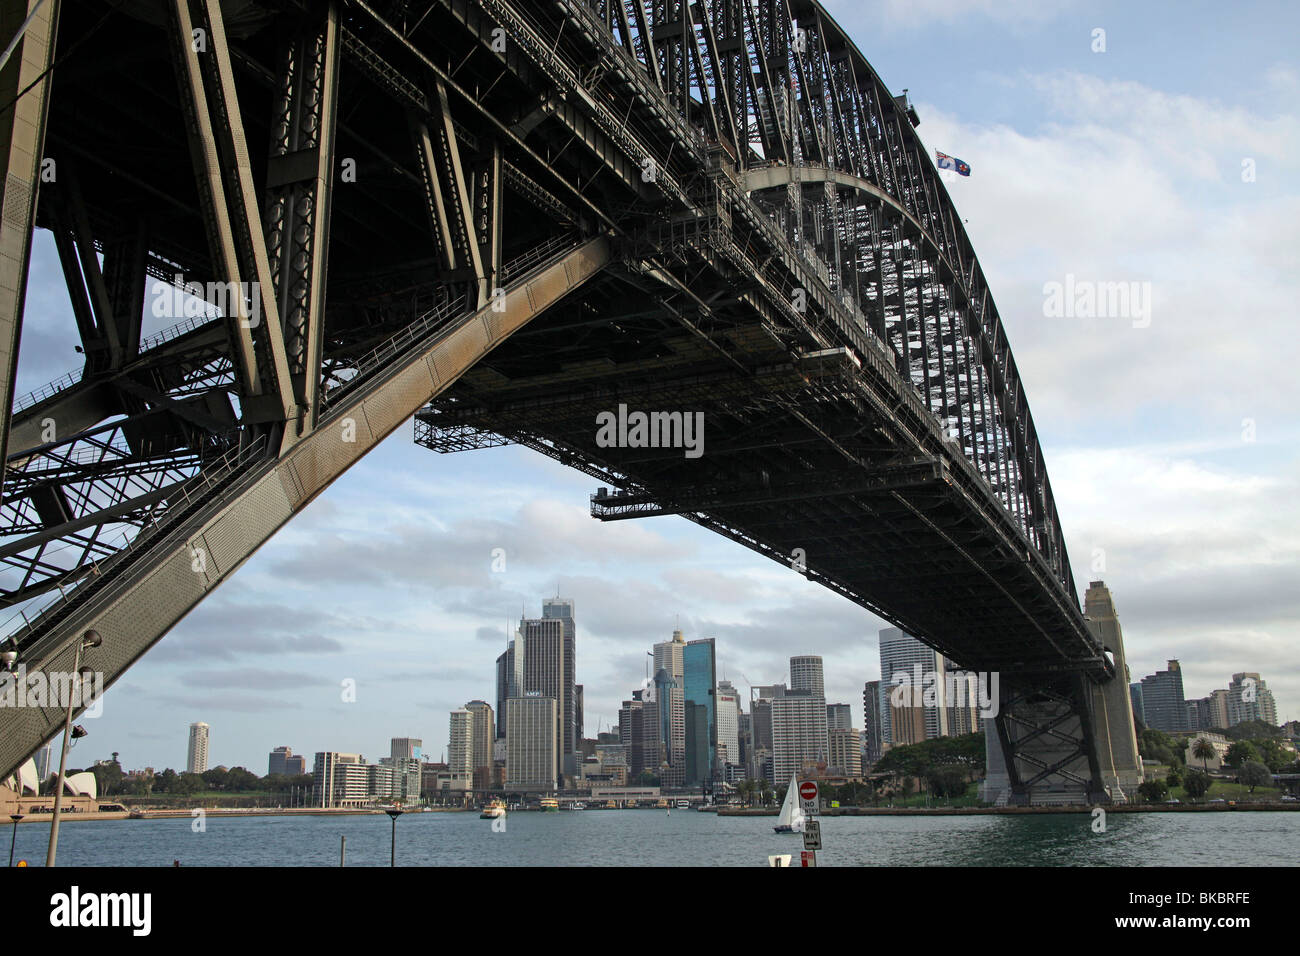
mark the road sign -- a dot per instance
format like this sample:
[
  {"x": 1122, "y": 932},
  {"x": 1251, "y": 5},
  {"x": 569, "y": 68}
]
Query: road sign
[
  {"x": 812, "y": 835},
  {"x": 808, "y": 857},
  {"x": 808, "y": 796}
]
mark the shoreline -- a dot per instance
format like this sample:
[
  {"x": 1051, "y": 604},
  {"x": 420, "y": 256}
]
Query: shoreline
[{"x": 1013, "y": 811}]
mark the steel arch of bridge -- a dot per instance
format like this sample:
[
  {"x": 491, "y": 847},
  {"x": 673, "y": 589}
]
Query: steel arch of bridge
[{"x": 553, "y": 204}]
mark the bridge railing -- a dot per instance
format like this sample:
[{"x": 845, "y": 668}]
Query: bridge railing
[{"x": 186, "y": 497}]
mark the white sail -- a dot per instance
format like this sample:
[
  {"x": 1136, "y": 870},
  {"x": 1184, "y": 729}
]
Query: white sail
[{"x": 791, "y": 813}]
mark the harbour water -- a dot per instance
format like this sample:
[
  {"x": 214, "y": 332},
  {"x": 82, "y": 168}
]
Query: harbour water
[{"x": 684, "y": 838}]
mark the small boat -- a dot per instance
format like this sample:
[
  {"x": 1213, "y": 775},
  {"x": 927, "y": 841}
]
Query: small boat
[
  {"x": 550, "y": 805},
  {"x": 683, "y": 804},
  {"x": 792, "y": 818},
  {"x": 577, "y": 805},
  {"x": 493, "y": 810}
]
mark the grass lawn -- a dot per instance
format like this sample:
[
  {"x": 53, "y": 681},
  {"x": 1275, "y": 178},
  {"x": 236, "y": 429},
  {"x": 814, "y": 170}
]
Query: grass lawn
[{"x": 1227, "y": 790}]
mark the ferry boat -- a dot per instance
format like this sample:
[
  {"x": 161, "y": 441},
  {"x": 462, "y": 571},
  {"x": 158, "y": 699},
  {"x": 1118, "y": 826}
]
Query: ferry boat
[
  {"x": 550, "y": 805},
  {"x": 493, "y": 810}
]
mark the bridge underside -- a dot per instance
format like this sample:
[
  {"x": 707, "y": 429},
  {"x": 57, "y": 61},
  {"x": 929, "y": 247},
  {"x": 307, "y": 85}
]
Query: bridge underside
[
  {"x": 511, "y": 218},
  {"x": 809, "y": 456}
]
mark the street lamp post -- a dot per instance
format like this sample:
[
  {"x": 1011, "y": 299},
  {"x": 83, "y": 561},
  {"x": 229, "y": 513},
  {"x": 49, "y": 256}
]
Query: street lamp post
[
  {"x": 393, "y": 814},
  {"x": 88, "y": 640},
  {"x": 15, "y": 817}
]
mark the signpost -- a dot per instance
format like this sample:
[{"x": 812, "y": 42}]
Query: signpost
[
  {"x": 812, "y": 835},
  {"x": 808, "y": 796}
]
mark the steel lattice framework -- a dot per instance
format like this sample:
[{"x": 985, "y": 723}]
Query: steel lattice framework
[{"x": 510, "y": 217}]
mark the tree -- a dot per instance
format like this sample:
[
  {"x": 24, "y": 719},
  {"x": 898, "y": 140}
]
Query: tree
[
  {"x": 1196, "y": 783},
  {"x": 1153, "y": 791},
  {"x": 1239, "y": 753},
  {"x": 1174, "y": 779},
  {"x": 1255, "y": 774},
  {"x": 948, "y": 781},
  {"x": 1203, "y": 750},
  {"x": 1252, "y": 730},
  {"x": 1271, "y": 753}
]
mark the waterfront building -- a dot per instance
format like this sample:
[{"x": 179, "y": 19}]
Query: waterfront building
[
  {"x": 507, "y": 686},
  {"x": 544, "y": 674},
  {"x": 1163, "y": 705},
  {"x": 561, "y": 609},
  {"x": 699, "y": 667},
  {"x": 903, "y": 662},
  {"x": 340, "y": 780},
  {"x": 1135, "y": 695},
  {"x": 196, "y": 760},
  {"x": 399, "y": 781},
  {"x": 1220, "y": 744},
  {"x": 728, "y": 717},
  {"x": 799, "y": 740},
  {"x": 845, "y": 752},
  {"x": 282, "y": 761},
  {"x": 532, "y": 742},
  {"x": 1249, "y": 698},
  {"x": 482, "y": 738},
  {"x": 406, "y": 748},
  {"x": 872, "y": 727},
  {"x": 666, "y": 694},
  {"x": 460, "y": 749}
]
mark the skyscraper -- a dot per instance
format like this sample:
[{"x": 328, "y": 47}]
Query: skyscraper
[
  {"x": 340, "y": 780},
  {"x": 1163, "y": 704},
  {"x": 728, "y": 718},
  {"x": 903, "y": 657},
  {"x": 543, "y": 673},
  {"x": 670, "y": 715},
  {"x": 283, "y": 762},
  {"x": 844, "y": 751},
  {"x": 806, "y": 675},
  {"x": 196, "y": 760},
  {"x": 460, "y": 749},
  {"x": 506, "y": 686},
  {"x": 699, "y": 665},
  {"x": 838, "y": 717},
  {"x": 668, "y": 656},
  {"x": 561, "y": 609},
  {"x": 406, "y": 748},
  {"x": 799, "y": 738},
  {"x": 872, "y": 729},
  {"x": 482, "y": 737},
  {"x": 532, "y": 742},
  {"x": 1249, "y": 698}
]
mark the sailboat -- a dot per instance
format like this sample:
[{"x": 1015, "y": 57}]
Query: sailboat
[{"x": 792, "y": 818}]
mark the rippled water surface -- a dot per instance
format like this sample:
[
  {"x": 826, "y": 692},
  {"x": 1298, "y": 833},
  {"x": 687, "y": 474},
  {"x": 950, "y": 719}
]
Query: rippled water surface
[{"x": 689, "y": 838}]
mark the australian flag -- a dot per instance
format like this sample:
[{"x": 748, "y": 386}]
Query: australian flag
[{"x": 944, "y": 161}]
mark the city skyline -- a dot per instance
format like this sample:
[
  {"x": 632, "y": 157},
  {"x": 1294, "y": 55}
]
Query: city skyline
[{"x": 387, "y": 579}]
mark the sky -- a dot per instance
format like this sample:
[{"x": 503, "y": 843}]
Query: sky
[{"x": 1170, "y": 159}]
